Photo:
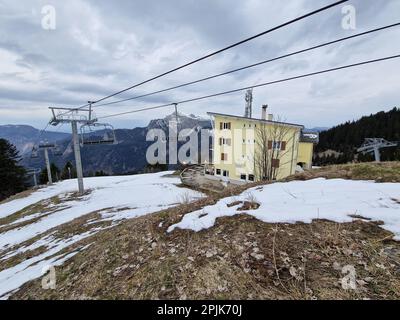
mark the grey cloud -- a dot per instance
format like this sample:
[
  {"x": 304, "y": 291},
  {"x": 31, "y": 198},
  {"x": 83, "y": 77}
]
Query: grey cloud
[{"x": 100, "y": 47}]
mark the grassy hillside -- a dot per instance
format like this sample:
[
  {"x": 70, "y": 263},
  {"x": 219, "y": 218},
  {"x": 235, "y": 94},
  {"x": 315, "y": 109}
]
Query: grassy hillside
[
  {"x": 239, "y": 258},
  {"x": 380, "y": 172}
]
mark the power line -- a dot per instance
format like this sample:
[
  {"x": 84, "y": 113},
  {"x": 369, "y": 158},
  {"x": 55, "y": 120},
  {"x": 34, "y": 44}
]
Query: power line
[
  {"x": 256, "y": 86},
  {"x": 252, "y": 65},
  {"x": 221, "y": 50}
]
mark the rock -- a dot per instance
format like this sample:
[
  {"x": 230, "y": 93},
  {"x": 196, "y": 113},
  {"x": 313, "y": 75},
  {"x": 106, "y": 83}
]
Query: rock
[
  {"x": 293, "y": 272},
  {"x": 209, "y": 254},
  {"x": 257, "y": 256},
  {"x": 337, "y": 266}
]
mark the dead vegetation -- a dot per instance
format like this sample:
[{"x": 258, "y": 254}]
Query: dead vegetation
[
  {"x": 239, "y": 258},
  {"x": 380, "y": 172}
]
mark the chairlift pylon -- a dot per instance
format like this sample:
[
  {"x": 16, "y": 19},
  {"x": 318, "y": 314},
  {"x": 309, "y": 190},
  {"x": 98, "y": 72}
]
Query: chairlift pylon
[{"x": 97, "y": 133}]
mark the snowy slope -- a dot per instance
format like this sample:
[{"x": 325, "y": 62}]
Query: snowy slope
[
  {"x": 304, "y": 201},
  {"x": 115, "y": 198}
]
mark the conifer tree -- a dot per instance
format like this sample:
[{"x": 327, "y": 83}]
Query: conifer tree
[{"x": 12, "y": 175}]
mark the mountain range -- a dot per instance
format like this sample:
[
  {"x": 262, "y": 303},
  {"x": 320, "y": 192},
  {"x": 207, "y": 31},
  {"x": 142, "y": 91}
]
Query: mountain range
[
  {"x": 127, "y": 156},
  {"x": 24, "y": 137}
]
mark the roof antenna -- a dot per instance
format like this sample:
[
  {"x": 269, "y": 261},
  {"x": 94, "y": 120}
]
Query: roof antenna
[{"x": 249, "y": 103}]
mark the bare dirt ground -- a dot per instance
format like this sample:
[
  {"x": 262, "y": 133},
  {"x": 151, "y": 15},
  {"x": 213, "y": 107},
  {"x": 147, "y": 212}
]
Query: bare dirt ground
[{"x": 239, "y": 258}]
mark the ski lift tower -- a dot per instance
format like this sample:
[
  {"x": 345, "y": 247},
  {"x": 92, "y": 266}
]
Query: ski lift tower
[
  {"x": 73, "y": 117},
  {"x": 33, "y": 172},
  {"x": 373, "y": 145},
  {"x": 89, "y": 128},
  {"x": 45, "y": 145}
]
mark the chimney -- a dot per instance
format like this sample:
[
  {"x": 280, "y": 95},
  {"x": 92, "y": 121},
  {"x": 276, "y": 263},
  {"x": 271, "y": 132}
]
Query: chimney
[{"x": 264, "y": 112}]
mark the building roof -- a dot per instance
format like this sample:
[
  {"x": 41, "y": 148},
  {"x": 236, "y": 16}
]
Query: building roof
[
  {"x": 254, "y": 119},
  {"x": 311, "y": 137}
]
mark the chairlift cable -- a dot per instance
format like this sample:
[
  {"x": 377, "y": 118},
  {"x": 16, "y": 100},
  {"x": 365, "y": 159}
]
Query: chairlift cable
[
  {"x": 256, "y": 86},
  {"x": 251, "y": 65},
  {"x": 309, "y": 14}
]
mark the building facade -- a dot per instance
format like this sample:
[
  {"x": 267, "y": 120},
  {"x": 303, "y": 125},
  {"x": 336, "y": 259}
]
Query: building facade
[{"x": 249, "y": 149}]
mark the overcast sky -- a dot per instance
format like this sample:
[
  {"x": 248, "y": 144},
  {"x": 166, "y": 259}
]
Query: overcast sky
[{"x": 101, "y": 46}]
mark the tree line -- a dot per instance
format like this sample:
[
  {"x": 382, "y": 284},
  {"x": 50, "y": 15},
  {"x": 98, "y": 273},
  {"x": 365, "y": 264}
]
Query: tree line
[
  {"x": 14, "y": 178},
  {"x": 347, "y": 137}
]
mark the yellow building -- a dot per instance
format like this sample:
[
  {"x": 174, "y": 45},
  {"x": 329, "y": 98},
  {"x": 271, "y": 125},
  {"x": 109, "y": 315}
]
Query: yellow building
[
  {"x": 304, "y": 158},
  {"x": 250, "y": 149}
]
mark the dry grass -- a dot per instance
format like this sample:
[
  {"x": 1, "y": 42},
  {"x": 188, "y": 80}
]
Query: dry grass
[
  {"x": 19, "y": 195},
  {"x": 380, "y": 172},
  {"x": 239, "y": 258}
]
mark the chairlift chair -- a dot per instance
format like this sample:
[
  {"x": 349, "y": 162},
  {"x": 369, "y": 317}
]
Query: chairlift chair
[
  {"x": 97, "y": 133},
  {"x": 34, "y": 153},
  {"x": 57, "y": 151},
  {"x": 46, "y": 145}
]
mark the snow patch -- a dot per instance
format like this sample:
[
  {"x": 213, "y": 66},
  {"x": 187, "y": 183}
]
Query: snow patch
[
  {"x": 115, "y": 198},
  {"x": 303, "y": 201}
]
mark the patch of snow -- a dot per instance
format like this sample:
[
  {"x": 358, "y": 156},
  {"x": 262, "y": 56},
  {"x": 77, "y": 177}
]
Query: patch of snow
[
  {"x": 296, "y": 201},
  {"x": 115, "y": 198},
  {"x": 299, "y": 169},
  {"x": 12, "y": 278},
  {"x": 145, "y": 194}
]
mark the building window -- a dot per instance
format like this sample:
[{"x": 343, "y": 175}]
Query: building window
[
  {"x": 243, "y": 177},
  {"x": 226, "y": 173},
  {"x": 275, "y": 163},
  {"x": 218, "y": 172},
  {"x": 224, "y": 156},
  {"x": 251, "y": 177},
  {"x": 225, "y": 141},
  {"x": 225, "y": 125},
  {"x": 277, "y": 145}
]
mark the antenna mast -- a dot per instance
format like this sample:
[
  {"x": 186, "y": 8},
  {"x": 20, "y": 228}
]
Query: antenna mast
[{"x": 249, "y": 103}]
